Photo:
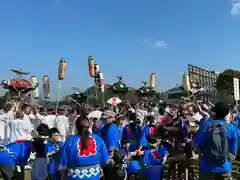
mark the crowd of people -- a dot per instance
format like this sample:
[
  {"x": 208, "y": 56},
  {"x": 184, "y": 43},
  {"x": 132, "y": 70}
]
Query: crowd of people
[{"x": 117, "y": 142}]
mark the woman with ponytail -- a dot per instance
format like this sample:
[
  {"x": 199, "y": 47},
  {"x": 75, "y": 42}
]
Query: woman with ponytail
[{"x": 83, "y": 154}]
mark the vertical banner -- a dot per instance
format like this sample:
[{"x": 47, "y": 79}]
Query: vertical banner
[
  {"x": 96, "y": 71},
  {"x": 236, "y": 88},
  {"x": 96, "y": 68},
  {"x": 101, "y": 82}
]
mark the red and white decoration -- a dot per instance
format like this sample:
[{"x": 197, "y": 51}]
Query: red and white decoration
[
  {"x": 101, "y": 82},
  {"x": 114, "y": 100}
]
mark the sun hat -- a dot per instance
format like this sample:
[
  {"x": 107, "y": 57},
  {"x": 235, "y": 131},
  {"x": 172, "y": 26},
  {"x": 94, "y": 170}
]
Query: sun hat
[{"x": 108, "y": 114}]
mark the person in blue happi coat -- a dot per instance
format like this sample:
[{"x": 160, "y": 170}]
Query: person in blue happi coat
[
  {"x": 13, "y": 158},
  {"x": 82, "y": 155},
  {"x": 120, "y": 124},
  {"x": 133, "y": 132},
  {"x": 53, "y": 145},
  {"x": 237, "y": 125},
  {"x": 132, "y": 166},
  {"x": 218, "y": 142},
  {"x": 151, "y": 161},
  {"x": 236, "y": 113},
  {"x": 111, "y": 136},
  {"x": 110, "y": 132},
  {"x": 150, "y": 128}
]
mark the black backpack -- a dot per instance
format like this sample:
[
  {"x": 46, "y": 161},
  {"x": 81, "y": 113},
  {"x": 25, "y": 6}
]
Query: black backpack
[{"x": 216, "y": 147}]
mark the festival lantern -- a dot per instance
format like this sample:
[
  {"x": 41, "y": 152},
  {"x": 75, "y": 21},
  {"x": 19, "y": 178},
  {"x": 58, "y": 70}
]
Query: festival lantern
[
  {"x": 152, "y": 82},
  {"x": 46, "y": 87},
  {"x": 91, "y": 66},
  {"x": 101, "y": 82},
  {"x": 186, "y": 82},
  {"x": 34, "y": 82},
  {"x": 61, "y": 76},
  {"x": 62, "y": 69}
]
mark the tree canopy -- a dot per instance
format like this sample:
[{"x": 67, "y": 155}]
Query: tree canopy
[{"x": 225, "y": 80}]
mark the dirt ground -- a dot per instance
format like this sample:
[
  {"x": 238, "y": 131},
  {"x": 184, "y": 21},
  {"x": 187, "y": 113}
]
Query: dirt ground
[{"x": 28, "y": 175}]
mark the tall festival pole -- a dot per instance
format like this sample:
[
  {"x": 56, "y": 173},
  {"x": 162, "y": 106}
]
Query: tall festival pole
[{"x": 61, "y": 75}]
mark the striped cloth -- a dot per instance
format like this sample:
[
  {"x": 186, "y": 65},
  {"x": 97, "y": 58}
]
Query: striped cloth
[{"x": 108, "y": 114}]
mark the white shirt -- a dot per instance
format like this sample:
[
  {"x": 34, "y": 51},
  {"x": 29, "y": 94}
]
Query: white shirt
[
  {"x": 27, "y": 122},
  {"x": 230, "y": 117},
  {"x": 71, "y": 121},
  {"x": 72, "y": 128},
  {"x": 197, "y": 116},
  {"x": 3, "y": 120},
  {"x": 49, "y": 120},
  {"x": 4, "y": 131},
  {"x": 18, "y": 130},
  {"x": 6, "y": 116},
  {"x": 35, "y": 120},
  {"x": 61, "y": 123}
]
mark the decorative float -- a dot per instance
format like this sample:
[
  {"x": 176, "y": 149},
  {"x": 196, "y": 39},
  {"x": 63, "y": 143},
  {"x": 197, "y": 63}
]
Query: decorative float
[
  {"x": 120, "y": 87},
  {"x": 77, "y": 97},
  {"x": 19, "y": 87},
  {"x": 145, "y": 92}
]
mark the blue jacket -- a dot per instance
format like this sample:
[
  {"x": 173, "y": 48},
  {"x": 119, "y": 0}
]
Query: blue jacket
[
  {"x": 199, "y": 140},
  {"x": 237, "y": 124}
]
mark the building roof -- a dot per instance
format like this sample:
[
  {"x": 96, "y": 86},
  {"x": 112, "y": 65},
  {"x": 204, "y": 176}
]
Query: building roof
[{"x": 177, "y": 89}]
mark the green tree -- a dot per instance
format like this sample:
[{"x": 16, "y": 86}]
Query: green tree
[{"x": 224, "y": 81}]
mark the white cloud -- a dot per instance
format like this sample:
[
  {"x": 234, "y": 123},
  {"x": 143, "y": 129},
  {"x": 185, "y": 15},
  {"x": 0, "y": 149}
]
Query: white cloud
[
  {"x": 146, "y": 41},
  {"x": 235, "y": 7},
  {"x": 160, "y": 44},
  {"x": 156, "y": 44}
]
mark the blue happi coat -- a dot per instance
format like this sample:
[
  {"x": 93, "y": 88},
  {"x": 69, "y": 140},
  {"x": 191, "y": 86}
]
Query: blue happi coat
[
  {"x": 149, "y": 130},
  {"x": 151, "y": 162},
  {"x": 136, "y": 138},
  {"x": 83, "y": 164},
  {"x": 53, "y": 147},
  {"x": 111, "y": 136},
  {"x": 16, "y": 153}
]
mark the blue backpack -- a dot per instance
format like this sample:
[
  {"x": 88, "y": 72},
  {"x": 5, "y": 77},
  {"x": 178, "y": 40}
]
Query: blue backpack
[{"x": 215, "y": 148}]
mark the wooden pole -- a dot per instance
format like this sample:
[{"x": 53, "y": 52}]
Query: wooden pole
[{"x": 58, "y": 95}]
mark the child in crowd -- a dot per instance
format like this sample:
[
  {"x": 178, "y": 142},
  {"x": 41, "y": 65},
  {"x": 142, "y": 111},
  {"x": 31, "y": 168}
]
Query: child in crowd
[{"x": 54, "y": 144}]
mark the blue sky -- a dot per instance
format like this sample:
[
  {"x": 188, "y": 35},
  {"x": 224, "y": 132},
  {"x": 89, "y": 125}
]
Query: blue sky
[{"x": 129, "y": 37}]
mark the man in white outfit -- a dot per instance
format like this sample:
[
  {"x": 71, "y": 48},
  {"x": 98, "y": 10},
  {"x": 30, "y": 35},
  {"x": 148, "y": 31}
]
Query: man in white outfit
[
  {"x": 7, "y": 114},
  {"x": 18, "y": 128}
]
